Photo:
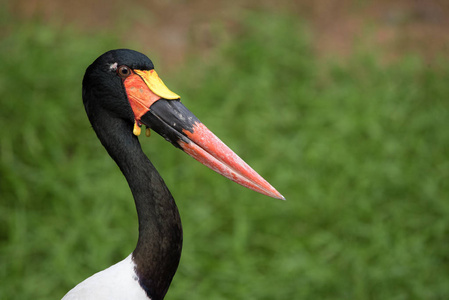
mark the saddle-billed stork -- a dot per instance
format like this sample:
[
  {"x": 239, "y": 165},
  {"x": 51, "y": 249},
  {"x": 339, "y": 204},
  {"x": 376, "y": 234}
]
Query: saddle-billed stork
[{"x": 122, "y": 92}]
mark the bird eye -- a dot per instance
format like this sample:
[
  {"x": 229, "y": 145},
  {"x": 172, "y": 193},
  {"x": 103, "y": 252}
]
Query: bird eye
[{"x": 123, "y": 71}]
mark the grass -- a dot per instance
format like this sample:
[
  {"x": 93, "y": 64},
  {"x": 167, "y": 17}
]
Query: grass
[{"x": 358, "y": 149}]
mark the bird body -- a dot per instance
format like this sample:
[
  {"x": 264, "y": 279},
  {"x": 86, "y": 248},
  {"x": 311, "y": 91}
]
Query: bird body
[
  {"x": 119, "y": 281},
  {"x": 121, "y": 91}
]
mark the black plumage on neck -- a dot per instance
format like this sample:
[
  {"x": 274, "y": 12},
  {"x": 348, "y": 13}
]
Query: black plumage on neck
[{"x": 158, "y": 249}]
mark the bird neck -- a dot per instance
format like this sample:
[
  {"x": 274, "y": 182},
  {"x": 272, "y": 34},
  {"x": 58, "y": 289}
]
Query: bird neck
[{"x": 158, "y": 249}]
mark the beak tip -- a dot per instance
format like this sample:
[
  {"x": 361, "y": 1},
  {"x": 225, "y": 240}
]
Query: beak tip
[{"x": 278, "y": 195}]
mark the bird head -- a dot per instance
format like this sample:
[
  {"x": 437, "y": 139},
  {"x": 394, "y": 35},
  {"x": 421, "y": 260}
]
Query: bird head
[{"x": 124, "y": 85}]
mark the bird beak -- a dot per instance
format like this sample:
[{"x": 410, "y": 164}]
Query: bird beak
[{"x": 155, "y": 106}]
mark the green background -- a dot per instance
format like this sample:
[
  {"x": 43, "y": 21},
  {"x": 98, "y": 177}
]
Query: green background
[{"x": 358, "y": 147}]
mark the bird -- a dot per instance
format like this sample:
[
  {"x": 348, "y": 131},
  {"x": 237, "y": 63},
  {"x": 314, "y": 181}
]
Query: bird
[{"x": 122, "y": 92}]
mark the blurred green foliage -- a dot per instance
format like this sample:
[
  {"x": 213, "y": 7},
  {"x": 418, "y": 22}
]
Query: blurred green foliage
[{"x": 358, "y": 149}]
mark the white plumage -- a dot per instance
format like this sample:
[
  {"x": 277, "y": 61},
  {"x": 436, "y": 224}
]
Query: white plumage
[{"x": 116, "y": 282}]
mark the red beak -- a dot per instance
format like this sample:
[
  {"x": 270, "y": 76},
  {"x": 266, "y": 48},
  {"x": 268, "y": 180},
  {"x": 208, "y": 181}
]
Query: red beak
[
  {"x": 209, "y": 150},
  {"x": 172, "y": 120}
]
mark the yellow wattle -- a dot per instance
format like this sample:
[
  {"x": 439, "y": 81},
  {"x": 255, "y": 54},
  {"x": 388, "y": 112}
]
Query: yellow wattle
[{"x": 156, "y": 85}]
